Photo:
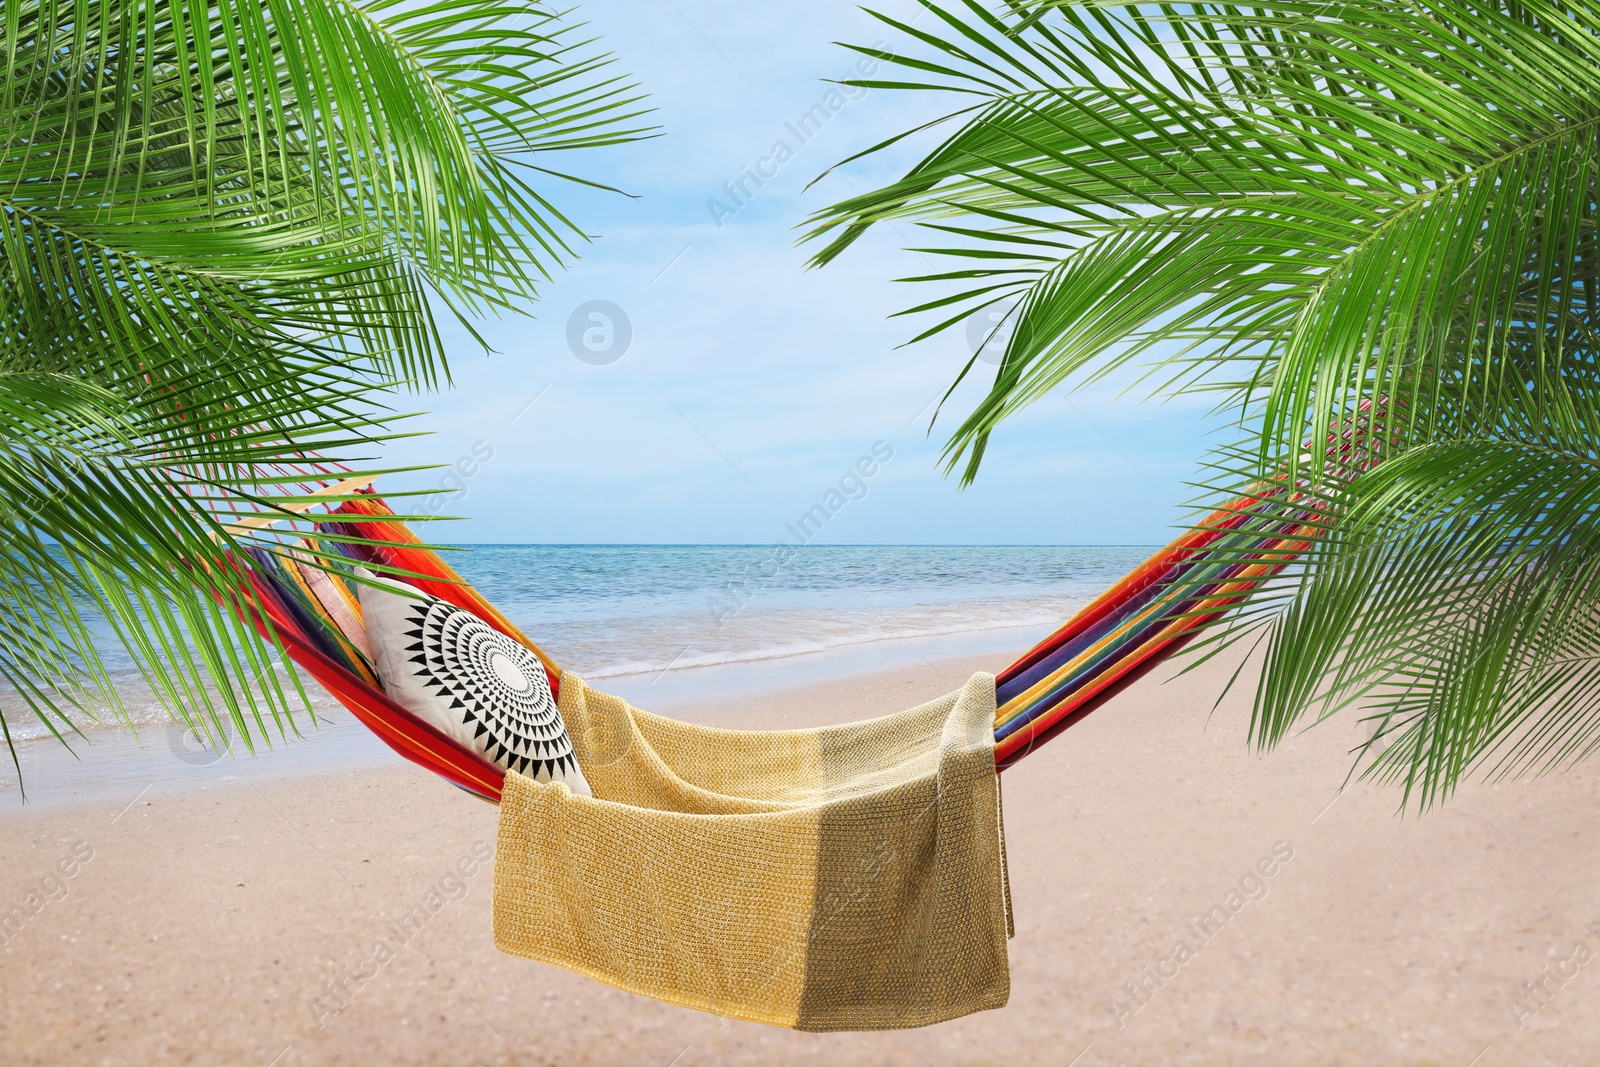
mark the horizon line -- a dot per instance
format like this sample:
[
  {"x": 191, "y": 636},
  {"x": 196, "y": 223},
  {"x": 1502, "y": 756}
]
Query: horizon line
[{"x": 765, "y": 544}]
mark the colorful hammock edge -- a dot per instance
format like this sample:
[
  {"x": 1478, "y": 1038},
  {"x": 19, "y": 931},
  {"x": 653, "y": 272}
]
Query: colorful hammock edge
[{"x": 1113, "y": 641}]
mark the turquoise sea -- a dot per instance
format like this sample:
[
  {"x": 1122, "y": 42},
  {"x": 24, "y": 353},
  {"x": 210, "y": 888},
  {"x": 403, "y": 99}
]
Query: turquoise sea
[{"x": 609, "y": 610}]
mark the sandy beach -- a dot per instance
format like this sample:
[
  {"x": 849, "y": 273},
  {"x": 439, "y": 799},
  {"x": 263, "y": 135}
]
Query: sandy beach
[{"x": 204, "y": 919}]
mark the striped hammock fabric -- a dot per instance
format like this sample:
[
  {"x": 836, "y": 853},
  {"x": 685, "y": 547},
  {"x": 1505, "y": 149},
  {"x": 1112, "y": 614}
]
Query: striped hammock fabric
[
  {"x": 1116, "y": 639},
  {"x": 1141, "y": 621}
]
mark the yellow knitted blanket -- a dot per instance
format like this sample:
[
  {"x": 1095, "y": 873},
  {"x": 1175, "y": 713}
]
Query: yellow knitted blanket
[{"x": 844, "y": 878}]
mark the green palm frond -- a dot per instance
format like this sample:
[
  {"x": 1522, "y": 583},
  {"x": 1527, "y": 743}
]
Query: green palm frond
[
  {"x": 1302, "y": 207},
  {"x": 224, "y": 233}
]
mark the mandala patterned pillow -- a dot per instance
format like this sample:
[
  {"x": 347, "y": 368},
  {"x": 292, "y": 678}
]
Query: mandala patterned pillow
[{"x": 475, "y": 684}]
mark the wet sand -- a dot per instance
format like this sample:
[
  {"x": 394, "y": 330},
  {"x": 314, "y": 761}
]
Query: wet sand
[{"x": 202, "y": 917}]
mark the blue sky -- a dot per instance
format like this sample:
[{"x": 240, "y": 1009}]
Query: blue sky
[{"x": 751, "y": 385}]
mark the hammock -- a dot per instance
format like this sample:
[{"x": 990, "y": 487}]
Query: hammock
[
  {"x": 1113, "y": 641},
  {"x": 841, "y": 878}
]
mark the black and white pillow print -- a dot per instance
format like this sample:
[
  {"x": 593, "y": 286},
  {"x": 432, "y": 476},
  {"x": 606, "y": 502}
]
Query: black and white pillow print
[{"x": 475, "y": 684}]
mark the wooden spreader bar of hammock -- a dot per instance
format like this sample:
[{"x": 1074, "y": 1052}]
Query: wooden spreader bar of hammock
[{"x": 1112, "y": 642}]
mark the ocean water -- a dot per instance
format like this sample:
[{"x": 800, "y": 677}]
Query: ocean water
[
  {"x": 639, "y": 616},
  {"x": 609, "y": 610}
]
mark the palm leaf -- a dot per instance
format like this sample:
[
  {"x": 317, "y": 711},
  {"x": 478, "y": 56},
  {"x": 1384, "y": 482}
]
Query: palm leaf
[
  {"x": 1306, "y": 209},
  {"x": 224, "y": 233}
]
